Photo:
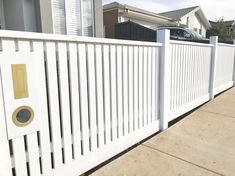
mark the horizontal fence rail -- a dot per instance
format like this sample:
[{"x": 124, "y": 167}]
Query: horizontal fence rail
[{"x": 92, "y": 98}]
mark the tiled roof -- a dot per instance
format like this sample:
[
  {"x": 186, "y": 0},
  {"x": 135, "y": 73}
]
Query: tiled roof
[{"x": 178, "y": 14}]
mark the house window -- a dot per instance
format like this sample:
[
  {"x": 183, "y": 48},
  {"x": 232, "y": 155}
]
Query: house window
[
  {"x": 88, "y": 17},
  {"x": 59, "y": 16},
  {"x": 74, "y": 17}
]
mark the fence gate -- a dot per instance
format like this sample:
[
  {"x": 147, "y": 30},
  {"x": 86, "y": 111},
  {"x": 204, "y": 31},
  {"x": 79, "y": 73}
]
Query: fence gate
[{"x": 67, "y": 105}]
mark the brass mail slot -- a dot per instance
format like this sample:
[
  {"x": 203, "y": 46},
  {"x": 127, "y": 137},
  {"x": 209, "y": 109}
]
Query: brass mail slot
[{"x": 20, "y": 83}]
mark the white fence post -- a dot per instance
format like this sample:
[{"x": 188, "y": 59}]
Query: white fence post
[
  {"x": 234, "y": 66},
  {"x": 163, "y": 36},
  {"x": 213, "y": 41}
]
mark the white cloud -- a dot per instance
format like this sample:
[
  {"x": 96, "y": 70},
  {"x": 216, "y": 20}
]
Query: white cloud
[{"x": 213, "y": 9}]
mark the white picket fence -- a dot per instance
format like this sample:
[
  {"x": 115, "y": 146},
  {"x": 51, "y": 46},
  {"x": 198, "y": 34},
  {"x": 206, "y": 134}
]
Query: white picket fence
[{"x": 93, "y": 98}]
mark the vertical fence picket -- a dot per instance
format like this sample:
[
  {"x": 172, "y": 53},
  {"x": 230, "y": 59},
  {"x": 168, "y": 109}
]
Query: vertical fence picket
[
  {"x": 234, "y": 65},
  {"x": 145, "y": 86},
  {"x": 45, "y": 145},
  {"x": 99, "y": 90},
  {"x": 19, "y": 156},
  {"x": 136, "y": 88},
  {"x": 31, "y": 139},
  {"x": 83, "y": 98},
  {"x": 64, "y": 101},
  {"x": 107, "y": 93},
  {"x": 75, "y": 103},
  {"x": 92, "y": 96},
  {"x": 125, "y": 90},
  {"x": 155, "y": 80},
  {"x": 5, "y": 167},
  {"x": 113, "y": 79},
  {"x": 131, "y": 87},
  {"x": 141, "y": 117},
  {"x": 18, "y": 144},
  {"x": 33, "y": 155},
  {"x": 149, "y": 73},
  {"x": 120, "y": 91},
  {"x": 53, "y": 99}
]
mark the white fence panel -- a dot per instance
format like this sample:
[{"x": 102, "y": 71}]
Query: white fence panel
[
  {"x": 190, "y": 75},
  {"x": 224, "y": 67},
  {"x": 97, "y": 97},
  {"x": 96, "y": 100}
]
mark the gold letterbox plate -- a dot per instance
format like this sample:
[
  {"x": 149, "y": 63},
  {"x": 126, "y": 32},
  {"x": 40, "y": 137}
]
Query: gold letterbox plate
[{"x": 20, "y": 83}]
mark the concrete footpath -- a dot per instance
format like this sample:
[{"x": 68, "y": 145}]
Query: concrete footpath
[{"x": 201, "y": 144}]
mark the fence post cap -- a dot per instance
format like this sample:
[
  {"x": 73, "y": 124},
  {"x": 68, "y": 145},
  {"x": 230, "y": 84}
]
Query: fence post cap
[{"x": 214, "y": 39}]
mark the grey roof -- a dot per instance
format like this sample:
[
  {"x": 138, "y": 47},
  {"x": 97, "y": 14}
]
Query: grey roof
[
  {"x": 178, "y": 14},
  {"x": 128, "y": 7},
  {"x": 229, "y": 23}
]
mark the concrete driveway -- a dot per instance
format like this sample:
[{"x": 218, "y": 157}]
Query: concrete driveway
[{"x": 203, "y": 144}]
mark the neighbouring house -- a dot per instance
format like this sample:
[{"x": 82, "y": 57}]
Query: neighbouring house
[
  {"x": 230, "y": 26},
  {"x": 118, "y": 13},
  {"x": 192, "y": 18},
  {"x": 70, "y": 17}
]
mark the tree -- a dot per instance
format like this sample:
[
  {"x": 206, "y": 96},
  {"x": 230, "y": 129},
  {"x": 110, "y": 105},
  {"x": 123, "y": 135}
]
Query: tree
[{"x": 219, "y": 29}]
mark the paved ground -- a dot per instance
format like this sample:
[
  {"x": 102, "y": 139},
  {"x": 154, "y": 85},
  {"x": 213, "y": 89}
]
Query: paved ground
[{"x": 201, "y": 144}]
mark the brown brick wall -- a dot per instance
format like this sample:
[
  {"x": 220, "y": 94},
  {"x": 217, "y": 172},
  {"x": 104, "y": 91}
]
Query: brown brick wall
[{"x": 110, "y": 19}]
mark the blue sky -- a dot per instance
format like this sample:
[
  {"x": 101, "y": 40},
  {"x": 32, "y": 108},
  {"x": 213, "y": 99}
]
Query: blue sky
[{"x": 213, "y": 9}]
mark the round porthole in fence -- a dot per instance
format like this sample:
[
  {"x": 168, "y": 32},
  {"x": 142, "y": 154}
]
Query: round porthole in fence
[{"x": 23, "y": 116}]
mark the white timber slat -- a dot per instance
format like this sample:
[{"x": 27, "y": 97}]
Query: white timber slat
[
  {"x": 75, "y": 103},
  {"x": 100, "y": 101},
  {"x": 31, "y": 139},
  {"x": 120, "y": 91},
  {"x": 172, "y": 77},
  {"x": 19, "y": 156},
  {"x": 33, "y": 154},
  {"x": 5, "y": 167},
  {"x": 145, "y": 85},
  {"x": 125, "y": 90},
  {"x": 191, "y": 68},
  {"x": 174, "y": 69},
  {"x": 107, "y": 93},
  {"x": 53, "y": 99},
  {"x": 45, "y": 146},
  {"x": 155, "y": 79},
  {"x": 18, "y": 145},
  {"x": 113, "y": 79},
  {"x": 131, "y": 87},
  {"x": 92, "y": 96},
  {"x": 197, "y": 72},
  {"x": 136, "y": 88},
  {"x": 149, "y": 72},
  {"x": 141, "y": 83},
  {"x": 83, "y": 97},
  {"x": 183, "y": 76},
  {"x": 64, "y": 101},
  {"x": 187, "y": 82}
]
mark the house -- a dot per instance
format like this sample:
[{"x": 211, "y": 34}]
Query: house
[
  {"x": 230, "y": 26},
  {"x": 117, "y": 13},
  {"x": 71, "y": 17},
  {"x": 192, "y": 18}
]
